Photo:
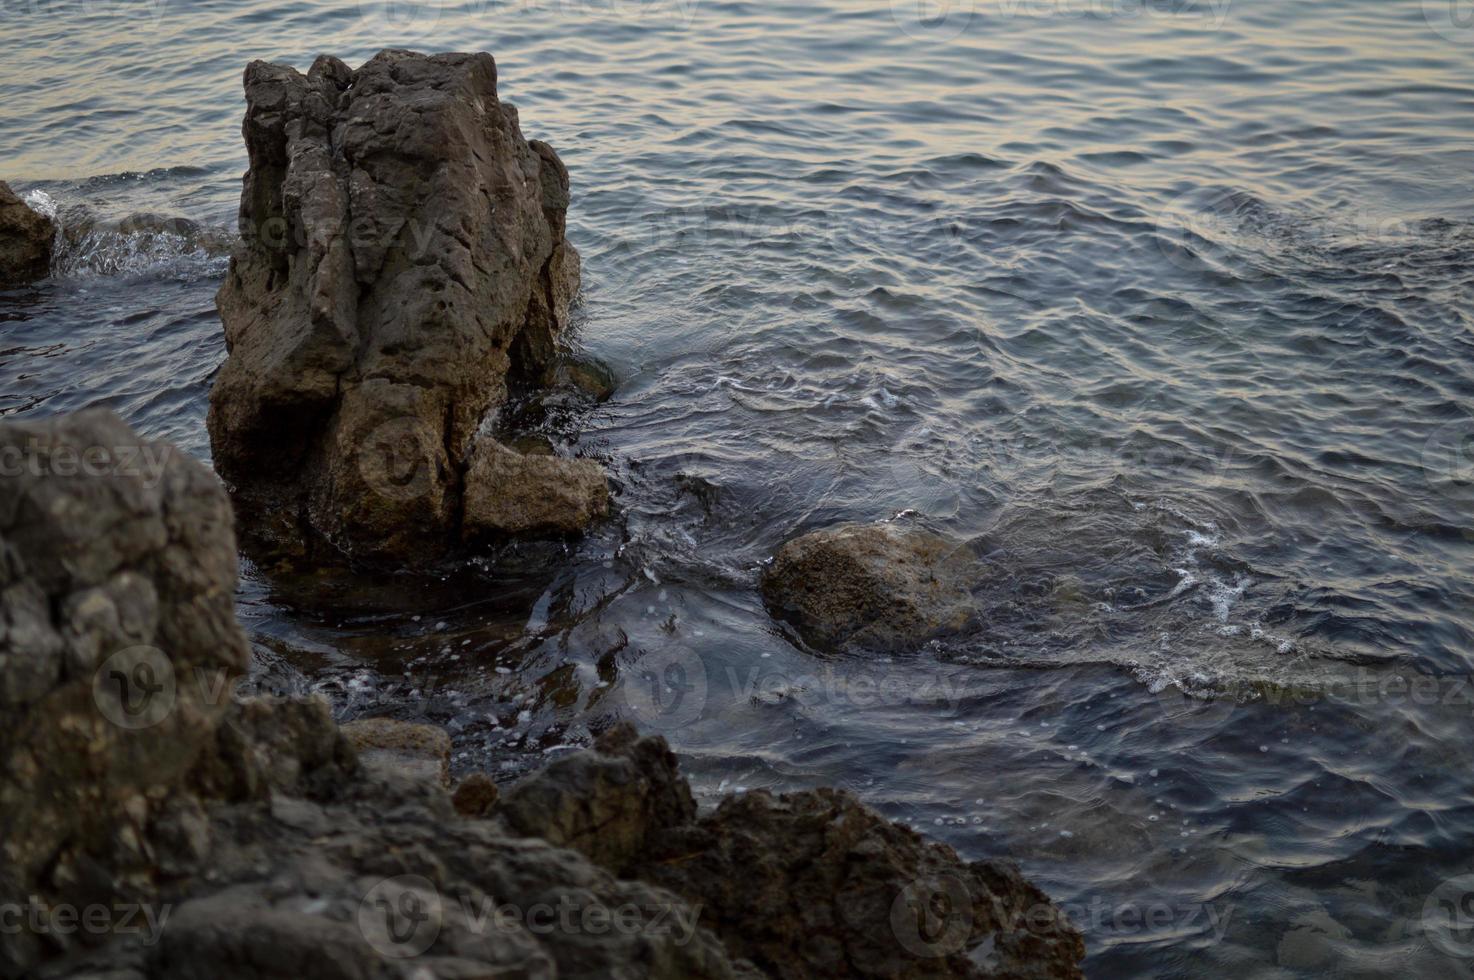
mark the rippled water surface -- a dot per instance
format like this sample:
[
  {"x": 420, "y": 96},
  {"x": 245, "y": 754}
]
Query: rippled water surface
[{"x": 1167, "y": 304}]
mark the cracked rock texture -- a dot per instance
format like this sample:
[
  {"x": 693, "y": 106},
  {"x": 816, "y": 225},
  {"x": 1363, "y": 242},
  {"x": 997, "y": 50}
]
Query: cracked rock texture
[
  {"x": 26, "y": 239},
  {"x": 403, "y": 265},
  {"x": 118, "y": 644}
]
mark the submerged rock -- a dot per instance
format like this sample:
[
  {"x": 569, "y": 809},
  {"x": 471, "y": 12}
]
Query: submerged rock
[
  {"x": 26, "y": 238},
  {"x": 883, "y": 587},
  {"x": 403, "y": 264}
]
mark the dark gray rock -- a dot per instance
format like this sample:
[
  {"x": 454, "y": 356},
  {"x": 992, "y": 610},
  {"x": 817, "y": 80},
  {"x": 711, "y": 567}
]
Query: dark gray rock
[
  {"x": 403, "y": 264},
  {"x": 805, "y": 885},
  {"x": 118, "y": 644},
  {"x": 884, "y": 587},
  {"x": 608, "y": 803},
  {"x": 26, "y": 239}
]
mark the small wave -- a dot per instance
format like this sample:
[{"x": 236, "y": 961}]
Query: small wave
[{"x": 140, "y": 244}]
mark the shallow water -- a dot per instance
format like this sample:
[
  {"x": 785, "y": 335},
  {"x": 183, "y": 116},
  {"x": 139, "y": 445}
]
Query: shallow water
[{"x": 1170, "y": 303}]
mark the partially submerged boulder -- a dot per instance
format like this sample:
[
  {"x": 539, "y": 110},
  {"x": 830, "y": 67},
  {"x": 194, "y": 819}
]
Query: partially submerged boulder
[
  {"x": 885, "y": 587},
  {"x": 26, "y": 238},
  {"x": 404, "y": 264}
]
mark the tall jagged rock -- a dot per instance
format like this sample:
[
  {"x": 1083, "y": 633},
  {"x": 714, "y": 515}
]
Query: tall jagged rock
[
  {"x": 26, "y": 238},
  {"x": 403, "y": 261}
]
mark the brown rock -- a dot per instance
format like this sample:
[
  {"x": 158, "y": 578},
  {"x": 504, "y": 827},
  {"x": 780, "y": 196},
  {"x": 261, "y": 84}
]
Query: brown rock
[
  {"x": 387, "y": 747},
  {"x": 26, "y": 239},
  {"x": 511, "y": 493},
  {"x": 404, "y": 262},
  {"x": 475, "y": 796},
  {"x": 882, "y": 587}
]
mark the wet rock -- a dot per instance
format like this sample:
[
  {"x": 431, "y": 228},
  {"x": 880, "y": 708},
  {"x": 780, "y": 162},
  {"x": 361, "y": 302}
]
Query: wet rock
[
  {"x": 884, "y": 587},
  {"x": 805, "y": 885},
  {"x": 404, "y": 265},
  {"x": 399, "y": 749},
  {"x": 814, "y": 884},
  {"x": 513, "y": 493},
  {"x": 475, "y": 796},
  {"x": 26, "y": 238},
  {"x": 608, "y": 803},
  {"x": 118, "y": 643}
]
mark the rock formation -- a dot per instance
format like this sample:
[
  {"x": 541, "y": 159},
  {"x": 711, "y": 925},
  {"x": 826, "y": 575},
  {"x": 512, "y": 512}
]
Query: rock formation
[
  {"x": 883, "y": 587},
  {"x": 403, "y": 266},
  {"x": 154, "y": 825},
  {"x": 26, "y": 238},
  {"x": 805, "y": 885}
]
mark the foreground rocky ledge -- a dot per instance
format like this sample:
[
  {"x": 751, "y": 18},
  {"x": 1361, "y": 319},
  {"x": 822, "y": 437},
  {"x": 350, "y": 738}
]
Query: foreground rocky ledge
[
  {"x": 154, "y": 826},
  {"x": 403, "y": 267}
]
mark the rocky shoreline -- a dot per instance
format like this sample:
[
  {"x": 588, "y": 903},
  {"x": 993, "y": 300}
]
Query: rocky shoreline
[{"x": 402, "y": 273}]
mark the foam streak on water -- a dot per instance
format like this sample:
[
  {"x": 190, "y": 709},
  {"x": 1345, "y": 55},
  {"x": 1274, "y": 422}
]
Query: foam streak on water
[{"x": 1165, "y": 307}]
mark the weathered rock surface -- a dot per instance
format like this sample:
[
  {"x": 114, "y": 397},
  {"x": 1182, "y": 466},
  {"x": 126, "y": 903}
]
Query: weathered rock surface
[
  {"x": 404, "y": 263},
  {"x": 884, "y": 587},
  {"x": 804, "y": 885},
  {"x": 26, "y": 239},
  {"x": 511, "y": 493},
  {"x": 610, "y": 803},
  {"x": 118, "y": 642}
]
